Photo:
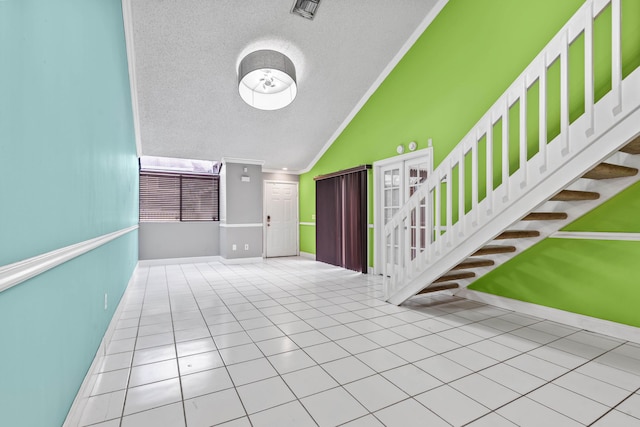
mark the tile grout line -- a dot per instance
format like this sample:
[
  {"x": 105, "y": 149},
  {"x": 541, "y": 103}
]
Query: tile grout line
[
  {"x": 375, "y": 371},
  {"x": 613, "y": 408},
  {"x": 224, "y": 364},
  {"x": 327, "y": 287},
  {"x": 175, "y": 348},
  {"x": 126, "y": 393},
  {"x": 549, "y": 381}
]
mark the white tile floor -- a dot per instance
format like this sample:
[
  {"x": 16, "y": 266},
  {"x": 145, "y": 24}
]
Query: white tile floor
[{"x": 291, "y": 342}]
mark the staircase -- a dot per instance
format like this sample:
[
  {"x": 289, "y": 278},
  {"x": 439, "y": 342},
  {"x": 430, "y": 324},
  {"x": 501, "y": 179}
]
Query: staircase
[{"x": 470, "y": 216}]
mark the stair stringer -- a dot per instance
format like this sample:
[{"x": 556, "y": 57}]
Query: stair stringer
[
  {"x": 607, "y": 190},
  {"x": 611, "y": 132}
]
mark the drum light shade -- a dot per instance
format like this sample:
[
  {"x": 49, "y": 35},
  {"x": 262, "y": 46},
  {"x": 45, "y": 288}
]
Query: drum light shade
[{"x": 267, "y": 80}]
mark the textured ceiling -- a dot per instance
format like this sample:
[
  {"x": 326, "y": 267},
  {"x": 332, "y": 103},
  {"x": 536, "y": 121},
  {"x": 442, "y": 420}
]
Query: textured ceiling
[{"x": 186, "y": 58}]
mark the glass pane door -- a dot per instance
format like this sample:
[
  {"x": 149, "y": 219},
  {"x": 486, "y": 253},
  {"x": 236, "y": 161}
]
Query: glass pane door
[
  {"x": 392, "y": 199},
  {"x": 416, "y": 173},
  {"x": 396, "y": 181}
]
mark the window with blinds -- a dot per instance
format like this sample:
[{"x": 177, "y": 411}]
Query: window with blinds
[{"x": 177, "y": 197}]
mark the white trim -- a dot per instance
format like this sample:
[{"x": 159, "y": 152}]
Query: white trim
[
  {"x": 287, "y": 172},
  {"x": 247, "y": 225},
  {"x": 185, "y": 260},
  {"x": 251, "y": 260},
  {"x": 376, "y": 84},
  {"x": 127, "y": 18},
  {"x": 607, "y": 327},
  {"x": 310, "y": 224},
  {"x": 242, "y": 161},
  {"x": 423, "y": 152},
  {"x": 307, "y": 255},
  {"x": 593, "y": 235},
  {"x": 80, "y": 401},
  {"x": 18, "y": 272},
  {"x": 276, "y": 181}
]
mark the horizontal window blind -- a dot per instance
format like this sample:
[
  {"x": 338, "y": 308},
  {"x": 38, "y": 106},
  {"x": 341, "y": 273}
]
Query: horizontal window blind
[
  {"x": 199, "y": 198},
  {"x": 174, "y": 197}
]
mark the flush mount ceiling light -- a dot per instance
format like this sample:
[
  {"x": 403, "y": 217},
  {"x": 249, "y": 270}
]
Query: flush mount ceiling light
[
  {"x": 305, "y": 8},
  {"x": 267, "y": 80}
]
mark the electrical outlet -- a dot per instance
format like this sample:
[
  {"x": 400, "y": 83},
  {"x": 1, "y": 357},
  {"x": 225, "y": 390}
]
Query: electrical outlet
[
  {"x": 246, "y": 246},
  {"x": 105, "y": 301},
  {"x": 233, "y": 247},
  {"x": 313, "y": 216}
]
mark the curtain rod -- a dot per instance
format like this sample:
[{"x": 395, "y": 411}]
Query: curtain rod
[{"x": 343, "y": 172}]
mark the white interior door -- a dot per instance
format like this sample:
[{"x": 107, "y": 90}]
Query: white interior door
[
  {"x": 391, "y": 198},
  {"x": 396, "y": 179},
  {"x": 281, "y": 218},
  {"x": 416, "y": 172}
]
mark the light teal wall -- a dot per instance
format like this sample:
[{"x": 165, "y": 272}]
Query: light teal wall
[
  {"x": 50, "y": 329},
  {"x": 68, "y": 173},
  {"x": 65, "y": 123}
]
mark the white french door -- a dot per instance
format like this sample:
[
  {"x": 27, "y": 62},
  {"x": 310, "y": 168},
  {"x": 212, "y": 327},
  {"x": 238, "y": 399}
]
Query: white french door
[
  {"x": 281, "y": 218},
  {"x": 416, "y": 172},
  {"x": 396, "y": 179}
]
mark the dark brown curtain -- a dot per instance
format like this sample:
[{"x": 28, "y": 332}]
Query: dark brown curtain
[
  {"x": 341, "y": 220},
  {"x": 355, "y": 221},
  {"x": 329, "y": 221}
]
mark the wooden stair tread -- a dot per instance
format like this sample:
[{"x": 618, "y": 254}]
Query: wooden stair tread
[
  {"x": 609, "y": 171},
  {"x": 436, "y": 288},
  {"x": 494, "y": 249},
  {"x": 455, "y": 276},
  {"x": 633, "y": 147},
  {"x": 572, "y": 195},
  {"x": 517, "y": 234},
  {"x": 473, "y": 263},
  {"x": 545, "y": 216}
]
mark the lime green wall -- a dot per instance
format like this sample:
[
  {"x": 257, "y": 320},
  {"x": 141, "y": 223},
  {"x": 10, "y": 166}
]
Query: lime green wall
[
  {"x": 597, "y": 278},
  {"x": 618, "y": 215},
  {"x": 455, "y": 71}
]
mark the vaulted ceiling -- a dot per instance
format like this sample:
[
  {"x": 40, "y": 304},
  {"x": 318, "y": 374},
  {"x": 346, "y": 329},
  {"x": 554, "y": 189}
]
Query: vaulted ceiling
[{"x": 186, "y": 58}]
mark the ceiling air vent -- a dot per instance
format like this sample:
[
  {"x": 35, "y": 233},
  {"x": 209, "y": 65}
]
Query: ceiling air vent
[{"x": 305, "y": 8}]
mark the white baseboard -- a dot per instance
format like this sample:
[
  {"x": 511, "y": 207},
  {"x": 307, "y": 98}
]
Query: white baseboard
[
  {"x": 251, "y": 260},
  {"x": 606, "y": 327},
  {"x": 186, "y": 260},
  {"x": 308, "y": 255},
  {"x": 75, "y": 412},
  {"x": 196, "y": 260}
]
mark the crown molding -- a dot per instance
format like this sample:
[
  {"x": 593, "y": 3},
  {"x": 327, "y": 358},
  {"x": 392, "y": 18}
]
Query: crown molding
[{"x": 376, "y": 84}]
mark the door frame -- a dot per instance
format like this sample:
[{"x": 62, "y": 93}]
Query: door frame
[
  {"x": 264, "y": 213},
  {"x": 378, "y": 226}
]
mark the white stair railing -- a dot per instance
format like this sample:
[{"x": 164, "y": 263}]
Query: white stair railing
[{"x": 445, "y": 221}]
